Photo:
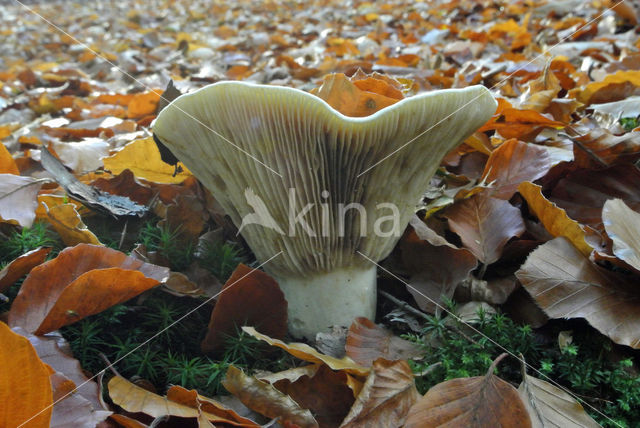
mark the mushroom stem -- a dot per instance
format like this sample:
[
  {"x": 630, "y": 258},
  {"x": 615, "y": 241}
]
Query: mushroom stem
[{"x": 317, "y": 302}]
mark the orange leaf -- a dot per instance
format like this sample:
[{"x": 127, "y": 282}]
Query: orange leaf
[
  {"x": 25, "y": 388},
  {"x": 7, "y": 164},
  {"x": 243, "y": 301},
  {"x": 79, "y": 282},
  {"x": 143, "y": 104},
  {"x": 21, "y": 266},
  {"x": 514, "y": 123},
  {"x": 614, "y": 87},
  {"x": 347, "y": 96}
]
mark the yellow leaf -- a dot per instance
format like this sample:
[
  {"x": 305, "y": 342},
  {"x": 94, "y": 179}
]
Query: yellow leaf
[
  {"x": 25, "y": 388},
  {"x": 614, "y": 87},
  {"x": 307, "y": 353},
  {"x": 554, "y": 218},
  {"x": 67, "y": 222},
  {"x": 143, "y": 159},
  {"x": 7, "y": 164}
]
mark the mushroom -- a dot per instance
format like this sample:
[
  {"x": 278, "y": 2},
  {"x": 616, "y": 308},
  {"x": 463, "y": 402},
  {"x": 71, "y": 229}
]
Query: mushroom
[{"x": 328, "y": 194}]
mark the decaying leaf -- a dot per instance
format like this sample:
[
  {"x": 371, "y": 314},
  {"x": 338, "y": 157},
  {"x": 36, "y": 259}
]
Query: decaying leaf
[
  {"x": 385, "y": 398},
  {"x": 267, "y": 400},
  {"x": 511, "y": 164},
  {"x": 67, "y": 222},
  {"x": 485, "y": 224},
  {"x": 21, "y": 266},
  {"x": 565, "y": 284},
  {"x": 548, "y": 405},
  {"x": 25, "y": 388},
  {"x": 554, "y": 219},
  {"x": 366, "y": 342},
  {"x": 479, "y": 402},
  {"x": 614, "y": 87},
  {"x": 7, "y": 164},
  {"x": 18, "y": 198},
  {"x": 243, "y": 301},
  {"x": 623, "y": 227},
  {"x": 307, "y": 353},
  {"x": 81, "y": 281}
]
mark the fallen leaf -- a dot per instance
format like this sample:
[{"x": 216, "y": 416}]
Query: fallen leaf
[
  {"x": 78, "y": 283},
  {"x": 82, "y": 156},
  {"x": 385, "y": 398},
  {"x": 521, "y": 124},
  {"x": 548, "y": 405},
  {"x": 484, "y": 225},
  {"x": 307, "y": 353},
  {"x": 437, "y": 266},
  {"x": 67, "y": 222},
  {"x": 143, "y": 159},
  {"x": 565, "y": 284},
  {"x": 267, "y": 400},
  {"x": 143, "y": 104},
  {"x": 511, "y": 164},
  {"x": 623, "y": 227},
  {"x": 7, "y": 164},
  {"x": 598, "y": 148},
  {"x": 125, "y": 184},
  {"x": 479, "y": 402},
  {"x": 554, "y": 219},
  {"x": 25, "y": 388},
  {"x": 613, "y": 87},
  {"x": 187, "y": 216},
  {"x": 324, "y": 392},
  {"x": 20, "y": 266},
  {"x": 366, "y": 342},
  {"x": 242, "y": 301},
  {"x": 18, "y": 198},
  {"x": 357, "y": 100}
]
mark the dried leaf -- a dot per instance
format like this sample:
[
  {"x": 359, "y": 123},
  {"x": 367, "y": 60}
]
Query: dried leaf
[
  {"x": 366, "y": 342},
  {"x": 20, "y": 266},
  {"x": 511, "y": 164},
  {"x": 485, "y": 224},
  {"x": 266, "y": 400},
  {"x": 25, "y": 388},
  {"x": 7, "y": 164},
  {"x": 623, "y": 227},
  {"x": 548, "y": 405},
  {"x": 565, "y": 284},
  {"x": 18, "y": 198},
  {"x": 385, "y": 398},
  {"x": 554, "y": 219},
  {"x": 614, "y": 87},
  {"x": 307, "y": 353},
  {"x": 67, "y": 222},
  {"x": 479, "y": 402},
  {"x": 522, "y": 124},
  {"x": 143, "y": 159},
  {"x": 249, "y": 297},
  {"x": 78, "y": 283}
]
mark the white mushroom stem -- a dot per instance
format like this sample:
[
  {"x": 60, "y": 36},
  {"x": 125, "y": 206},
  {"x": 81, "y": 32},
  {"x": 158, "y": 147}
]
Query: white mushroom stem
[{"x": 319, "y": 301}]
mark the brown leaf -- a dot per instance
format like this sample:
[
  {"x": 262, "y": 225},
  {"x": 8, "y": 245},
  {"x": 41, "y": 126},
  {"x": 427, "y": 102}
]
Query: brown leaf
[
  {"x": 511, "y": 164},
  {"x": 125, "y": 184},
  {"x": 366, "y": 342},
  {"x": 78, "y": 283},
  {"x": 479, "y": 402},
  {"x": 485, "y": 224},
  {"x": 599, "y": 148},
  {"x": 438, "y": 266},
  {"x": 18, "y": 198},
  {"x": 187, "y": 215},
  {"x": 266, "y": 400},
  {"x": 548, "y": 405},
  {"x": 307, "y": 353},
  {"x": 20, "y": 266},
  {"x": 385, "y": 398},
  {"x": 623, "y": 227},
  {"x": 565, "y": 284},
  {"x": 25, "y": 388},
  {"x": 583, "y": 193},
  {"x": 515, "y": 123},
  {"x": 249, "y": 297},
  {"x": 553, "y": 218},
  {"x": 325, "y": 393}
]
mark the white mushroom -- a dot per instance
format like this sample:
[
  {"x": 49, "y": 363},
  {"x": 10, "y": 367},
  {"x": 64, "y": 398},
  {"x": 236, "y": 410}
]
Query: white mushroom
[{"x": 322, "y": 189}]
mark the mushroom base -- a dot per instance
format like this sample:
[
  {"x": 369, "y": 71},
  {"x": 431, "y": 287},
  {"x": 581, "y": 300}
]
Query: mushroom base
[{"x": 334, "y": 298}]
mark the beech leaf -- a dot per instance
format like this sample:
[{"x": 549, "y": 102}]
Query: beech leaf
[
  {"x": 18, "y": 198},
  {"x": 623, "y": 227}
]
